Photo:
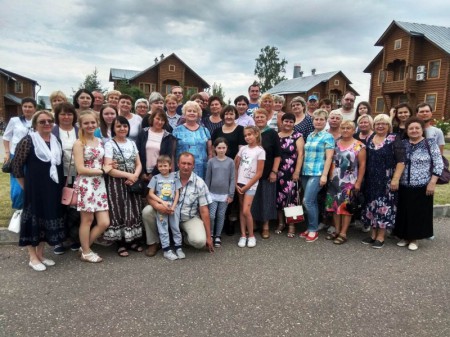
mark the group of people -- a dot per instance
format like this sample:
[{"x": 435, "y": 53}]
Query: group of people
[{"x": 207, "y": 165}]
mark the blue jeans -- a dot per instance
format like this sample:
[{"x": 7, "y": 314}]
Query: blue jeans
[
  {"x": 311, "y": 188},
  {"x": 17, "y": 194},
  {"x": 164, "y": 222}
]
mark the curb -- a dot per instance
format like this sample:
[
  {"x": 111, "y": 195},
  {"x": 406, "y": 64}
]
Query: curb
[{"x": 10, "y": 238}]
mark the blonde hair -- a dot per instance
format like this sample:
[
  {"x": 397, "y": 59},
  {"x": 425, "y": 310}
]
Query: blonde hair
[
  {"x": 368, "y": 117},
  {"x": 336, "y": 113},
  {"x": 264, "y": 97},
  {"x": 383, "y": 119},
  {"x": 113, "y": 92},
  {"x": 279, "y": 98},
  {"x": 320, "y": 113},
  {"x": 83, "y": 115},
  {"x": 56, "y": 94},
  {"x": 256, "y": 131},
  {"x": 171, "y": 97},
  {"x": 192, "y": 104},
  {"x": 261, "y": 111},
  {"x": 348, "y": 123}
]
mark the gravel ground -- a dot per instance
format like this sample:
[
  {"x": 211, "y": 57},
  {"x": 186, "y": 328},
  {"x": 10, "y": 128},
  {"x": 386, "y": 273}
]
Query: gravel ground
[{"x": 283, "y": 287}]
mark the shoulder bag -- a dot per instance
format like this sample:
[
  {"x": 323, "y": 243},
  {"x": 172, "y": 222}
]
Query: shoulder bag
[
  {"x": 294, "y": 214},
  {"x": 69, "y": 194}
]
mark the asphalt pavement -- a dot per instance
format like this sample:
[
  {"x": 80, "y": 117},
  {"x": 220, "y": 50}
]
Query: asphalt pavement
[{"x": 282, "y": 287}]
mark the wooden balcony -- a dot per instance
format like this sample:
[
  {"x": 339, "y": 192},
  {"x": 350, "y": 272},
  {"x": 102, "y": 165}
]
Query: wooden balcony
[{"x": 403, "y": 86}]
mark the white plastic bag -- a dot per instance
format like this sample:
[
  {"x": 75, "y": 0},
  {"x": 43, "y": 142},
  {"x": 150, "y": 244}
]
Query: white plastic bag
[{"x": 14, "y": 224}]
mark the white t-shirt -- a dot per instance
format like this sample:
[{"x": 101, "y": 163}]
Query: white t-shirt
[
  {"x": 249, "y": 164},
  {"x": 17, "y": 129},
  {"x": 127, "y": 148},
  {"x": 435, "y": 133},
  {"x": 135, "y": 126},
  {"x": 346, "y": 116}
]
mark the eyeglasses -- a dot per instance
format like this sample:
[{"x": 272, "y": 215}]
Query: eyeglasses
[
  {"x": 178, "y": 93},
  {"x": 45, "y": 121}
]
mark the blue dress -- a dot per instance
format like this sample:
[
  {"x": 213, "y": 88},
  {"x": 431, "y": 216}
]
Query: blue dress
[
  {"x": 381, "y": 202},
  {"x": 194, "y": 142}
]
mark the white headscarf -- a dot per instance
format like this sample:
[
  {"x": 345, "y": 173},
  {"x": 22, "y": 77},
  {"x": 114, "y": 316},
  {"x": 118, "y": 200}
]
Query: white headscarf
[{"x": 46, "y": 154}]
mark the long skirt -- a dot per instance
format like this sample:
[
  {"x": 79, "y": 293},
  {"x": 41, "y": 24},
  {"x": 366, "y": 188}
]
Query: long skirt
[
  {"x": 124, "y": 212},
  {"x": 264, "y": 206},
  {"x": 414, "y": 219}
]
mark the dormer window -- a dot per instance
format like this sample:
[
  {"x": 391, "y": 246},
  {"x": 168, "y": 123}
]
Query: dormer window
[{"x": 397, "y": 44}]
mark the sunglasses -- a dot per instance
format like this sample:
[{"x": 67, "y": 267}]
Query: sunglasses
[{"x": 45, "y": 121}]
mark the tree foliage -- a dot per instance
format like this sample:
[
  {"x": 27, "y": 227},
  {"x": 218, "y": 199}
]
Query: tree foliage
[
  {"x": 41, "y": 104},
  {"x": 269, "y": 68},
  {"x": 125, "y": 88},
  {"x": 217, "y": 90},
  {"x": 92, "y": 83}
]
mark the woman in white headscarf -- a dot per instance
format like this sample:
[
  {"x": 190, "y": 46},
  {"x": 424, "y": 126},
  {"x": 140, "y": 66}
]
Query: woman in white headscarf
[{"x": 38, "y": 167}]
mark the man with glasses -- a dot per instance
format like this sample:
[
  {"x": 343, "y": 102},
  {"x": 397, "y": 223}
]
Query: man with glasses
[
  {"x": 253, "y": 94},
  {"x": 347, "y": 108},
  {"x": 178, "y": 91}
]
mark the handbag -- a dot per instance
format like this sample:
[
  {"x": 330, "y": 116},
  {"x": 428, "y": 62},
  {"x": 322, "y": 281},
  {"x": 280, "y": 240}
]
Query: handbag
[
  {"x": 69, "y": 194},
  {"x": 293, "y": 214},
  {"x": 6, "y": 168},
  {"x": 14, "y": 223},
  {"x": 139, "y": 186},
  {"x": 356, "y": 204},
  {"x": 445, "y": 175}
]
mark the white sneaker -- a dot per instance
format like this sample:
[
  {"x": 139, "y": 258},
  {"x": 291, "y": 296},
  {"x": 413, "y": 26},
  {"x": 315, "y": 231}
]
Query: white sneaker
[
  {"x": 37, "y": 267},
  {"x": 365, "y": 229},
  {"x": 242, "y": 242},
  {"x": 251, "y": 242},
  {"x": 180, "y": 253},
  {"x": 170, "y": 255},
  {"x": 413, "y": 246},
  {"x": 402, "y": 243},
  {"x": 331, "y": 230},
  {"x": 48, "y": 262}
]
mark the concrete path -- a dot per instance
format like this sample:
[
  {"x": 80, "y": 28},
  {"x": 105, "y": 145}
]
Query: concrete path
[{"x": 283, "y": 287}]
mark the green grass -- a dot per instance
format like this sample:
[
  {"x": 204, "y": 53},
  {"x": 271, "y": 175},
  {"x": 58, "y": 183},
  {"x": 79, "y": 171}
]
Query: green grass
[{"x": 5, "y": 200}]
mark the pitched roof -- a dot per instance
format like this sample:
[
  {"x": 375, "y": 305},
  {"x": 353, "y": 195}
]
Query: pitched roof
[
  {"x": 372, "y": 63},
  {"x": 440, "y": 36},
  {"x": 12, "y": 75},
  {"x": 303, "y": 84},
  {"x": 14, "y": 99},
  {"x": 124, "y": 74}
]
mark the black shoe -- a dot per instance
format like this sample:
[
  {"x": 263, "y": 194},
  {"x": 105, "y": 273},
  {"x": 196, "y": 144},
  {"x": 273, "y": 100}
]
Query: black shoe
[
  {"x": 378, "y": 244},
  {"x": 368, "y": 241}
]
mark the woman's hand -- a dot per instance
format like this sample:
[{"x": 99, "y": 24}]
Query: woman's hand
[
  {"x": 323, "y": 180},
  {"x": 392, "y": 113},
  {"x": 241, "y": 189},
  {"x": 229, "y": 200},
  {"x": 357, "y": 186},
  {"x": 108, "y": 167},
  {"x": 394, "y": 185},
  {"x": 430, "y": 188},
  {"x": 6, "y": 157},
  {"x": 272, "y": 177},
  {"x": 296, "y": 176}
]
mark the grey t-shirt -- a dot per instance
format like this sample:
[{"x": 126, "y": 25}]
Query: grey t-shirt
[{"x": 435, "y": 133}]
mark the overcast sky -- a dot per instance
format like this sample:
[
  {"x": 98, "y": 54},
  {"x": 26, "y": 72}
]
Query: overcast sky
[{"x": 58, "y": 43}]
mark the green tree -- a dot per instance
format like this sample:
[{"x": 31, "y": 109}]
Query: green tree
[
  {"x": 92, "y": 83},
  {"x": 125, "y": 88},
  {"x": 41, "y": 104},
  {"x": 217, "y": 90},
  {"x": 269, "y": 67}
]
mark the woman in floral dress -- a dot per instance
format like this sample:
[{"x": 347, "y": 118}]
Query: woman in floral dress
[
  {"x": 346, "y": 175},
  {"x": 292, "y": 144},
  {"x": 88, "y": 154},
  {"x": 384, "y": 167}
]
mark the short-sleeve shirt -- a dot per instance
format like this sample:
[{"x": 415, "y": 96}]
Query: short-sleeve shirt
[
  {"x": 245, "y": 120},
  {"x": 165, "y": 187},
  {"x": 16, "y": 129},
  {"x": 435, "y": 133},
  {"x": 193, "y": 195},
  {"x": 315, "y": 147},
  {"x": 249, "y": 164},
  {"x": 135, "y": 126}
]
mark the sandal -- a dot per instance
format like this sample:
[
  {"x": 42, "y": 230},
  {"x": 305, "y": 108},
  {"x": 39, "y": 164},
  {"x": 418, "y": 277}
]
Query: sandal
[
  {"x": 291, "y": 231},
  {"x": 91, "y": 257},
  {"x": 340, "y": 240},
  {"x": 122, "y": 252},
  {"x": 136, "y": 248},
  {"x": 331, "y": 236},
  {"x": 265, "y": 234},
  {"x": 280, "y": 228}
]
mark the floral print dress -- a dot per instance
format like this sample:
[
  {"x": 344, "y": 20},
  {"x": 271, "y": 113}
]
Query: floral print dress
[
  {"x": 343, "y": 176},
  {"x": 286, "y": 188},
  {"x": 91, "y": 190},
  {"x": 381, "y": 202}
]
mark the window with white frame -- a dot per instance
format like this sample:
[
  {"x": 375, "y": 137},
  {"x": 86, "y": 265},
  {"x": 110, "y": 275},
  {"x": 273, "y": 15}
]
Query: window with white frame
[
  {"x": 379, "y": 105},
  {"x": 431, "y": 100},
  {"x": 18, "y": 87},
  {"x": 434, "y": 68},
  {"x": 397, "y": 44}
]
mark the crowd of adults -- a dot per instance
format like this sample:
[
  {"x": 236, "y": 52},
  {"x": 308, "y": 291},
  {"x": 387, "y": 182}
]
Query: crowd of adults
[{"x": 345, "y": 163}]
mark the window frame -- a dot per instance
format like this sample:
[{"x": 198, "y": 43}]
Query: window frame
[
  {"x": 398, "y": 44},
  {"x": 433, "y": 105},
  {"x": 381, "y": 77},
  {"x": 438, "y": 70},
  {"x": 152, "y": 87},
  {"x": 336, "y": 82},
  {"x": 18, "y": 87},
  {"x": 172, "y": 68},
  {"x": 376, "y": 104}
]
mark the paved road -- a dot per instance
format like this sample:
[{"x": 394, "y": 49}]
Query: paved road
[{"x": 283, "y": 287}]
